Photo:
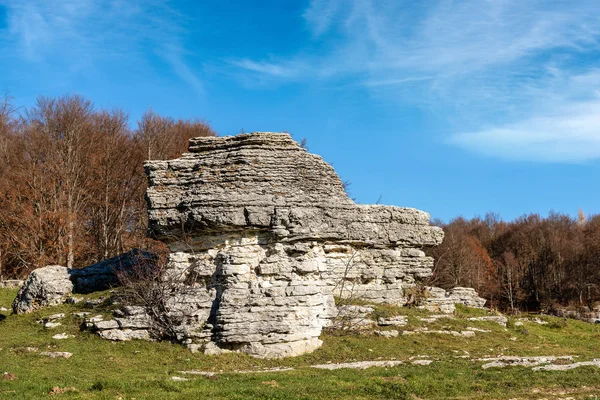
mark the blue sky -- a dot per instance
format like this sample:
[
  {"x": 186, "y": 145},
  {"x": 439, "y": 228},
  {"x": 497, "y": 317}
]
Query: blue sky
[{"x": 453, "y": 107}]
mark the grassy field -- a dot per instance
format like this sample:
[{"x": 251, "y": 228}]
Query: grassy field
[{"x": 101, "y": 369}]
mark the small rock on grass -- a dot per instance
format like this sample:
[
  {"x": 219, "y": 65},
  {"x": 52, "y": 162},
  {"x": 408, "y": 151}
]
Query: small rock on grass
[
  {"x": 179, "y": 379},
  {"x": 7, "y": 376},
  {"x": 61, "y": 336},
  {"x": 56, "y": 354},
  {"x": 388, "y": 334},
  {"x": 422, "y": 362}
]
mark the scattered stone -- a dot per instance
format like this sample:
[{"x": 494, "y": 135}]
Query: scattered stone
[
  {"x": 422, "y": 362},
  {"x": 211, "y": 349},
  {"x": 95, "y": 319},
  {"x": 470, "y": 328},
  {"x": 398, "y": 320},
  {"x": 435, "y": 318},
  {"x": 353, "y": 318},
  {"x": 441, "y": 332},
  {"x": 509, "y": 361},
  {"x": 104, "y": 325},
  {"x": 499, "y": 319},
  {"x": 535, "y": 320},
  {"x": 74, "y": 300},
  {"x": 124, "y": 335},
  {"x": 388, "y": 334},
  {"x": 565, "y": 367},
  {"x": 56, "y": 354},
  {"x": 55, "y": 317},
  {"x": 4, "y": 309},
  {"x": 358, "y": 365},
  {"x": 440, "y": 300},
  {"x": 91, "y": 303},
  {"x": 195, "y": 347},
  {"x": 52, "y": 325},
  {"x": 179, "y": 379},
  {"x": 62, "y": 336},
  {"x": 201, "y": 373}
]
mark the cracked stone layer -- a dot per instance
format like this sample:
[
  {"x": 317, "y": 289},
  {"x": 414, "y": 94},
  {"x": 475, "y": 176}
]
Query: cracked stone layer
[{"x": 264, "y": 235}]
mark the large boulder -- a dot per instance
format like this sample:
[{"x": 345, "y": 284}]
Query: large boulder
[
  {"x": 264, "y": 235},
  {"x": 51, "y": 285},
  {"x": 44, "y": 287}
]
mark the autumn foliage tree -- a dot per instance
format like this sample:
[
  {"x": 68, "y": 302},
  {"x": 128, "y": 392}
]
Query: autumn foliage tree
[
  {"x": 72, "y": 182},
  {"x": 531, "y": 263}
]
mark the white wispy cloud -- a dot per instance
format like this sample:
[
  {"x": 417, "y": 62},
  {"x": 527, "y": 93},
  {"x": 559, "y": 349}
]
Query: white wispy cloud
[
  {"x": 508, "y": 69},
  {"x": 80, "y": 33},
  {"x": 568, "y": 134}
]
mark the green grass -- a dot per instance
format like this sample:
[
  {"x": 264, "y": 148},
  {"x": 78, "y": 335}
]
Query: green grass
[{"x": 101, "y": 369}]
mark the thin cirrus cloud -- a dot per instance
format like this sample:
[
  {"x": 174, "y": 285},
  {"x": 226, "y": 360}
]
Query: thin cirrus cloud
[
  {"x": 499, "y": 59},
  {"x": 81, "y": 33}
]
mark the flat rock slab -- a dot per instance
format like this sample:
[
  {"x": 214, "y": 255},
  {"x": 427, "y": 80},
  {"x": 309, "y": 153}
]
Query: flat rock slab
[
  {"x": 566, "y": 367},
  {"x": 62, "y": 336},
  {"x": 56, "y": 354},
  {"x": 398, "y": 320},
  {"x": 511, "y": 361},
  {"x": 498, "y": 319},
  {"x": 417, "y": 331},
  {"x": 358, "y": 365},
  {"x": 422, "y": 362},
  {"x": 388, "y": 334}
]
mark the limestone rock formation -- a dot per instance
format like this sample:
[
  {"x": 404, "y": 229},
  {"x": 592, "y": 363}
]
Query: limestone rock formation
[
  {"x": 262, "y": 238},
  {"x": 51, "y": 285},
  {"x": 265, "y": 233}
]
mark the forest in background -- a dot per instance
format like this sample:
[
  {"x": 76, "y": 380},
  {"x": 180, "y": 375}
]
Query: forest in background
[
  {"x": 72, "y": 181},
  {"x": 72, "y": 188},
  {"x": 531, "y": 263}
]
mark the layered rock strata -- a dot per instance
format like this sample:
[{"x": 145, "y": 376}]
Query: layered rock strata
[
  {"x": 266, "y": 235},
  {"x": 263, "y": 237}
]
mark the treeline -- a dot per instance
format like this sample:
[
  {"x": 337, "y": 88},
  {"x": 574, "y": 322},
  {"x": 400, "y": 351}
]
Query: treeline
[
  {"x": 72, "y": 182},
  {"x": 531, "y": 263}
]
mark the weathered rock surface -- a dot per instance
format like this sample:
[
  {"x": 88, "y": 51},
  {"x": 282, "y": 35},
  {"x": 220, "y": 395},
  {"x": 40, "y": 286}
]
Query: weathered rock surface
[
  {"x": 54, "y": 284},
  {"x": 263, "y": 236},
  {"x": 440, "y": 300},
  {"x": 44, "y": 287},
  {"x": 56, "y": 354}
]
